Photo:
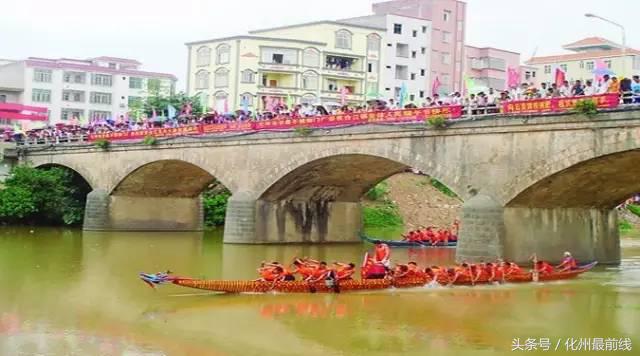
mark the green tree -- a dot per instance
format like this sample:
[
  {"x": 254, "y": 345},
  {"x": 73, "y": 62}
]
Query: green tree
[
  {"x": 160, "y": 103},
  {"x": 214, "y": 201},
  {"x": 49, "y": 196}
]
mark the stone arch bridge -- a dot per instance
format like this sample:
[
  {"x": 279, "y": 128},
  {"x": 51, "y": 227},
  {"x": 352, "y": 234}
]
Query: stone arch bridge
[{"x": 540, "y": 184}]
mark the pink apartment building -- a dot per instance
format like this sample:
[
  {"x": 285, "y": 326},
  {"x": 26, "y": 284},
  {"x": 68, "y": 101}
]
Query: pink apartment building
[
  {"x": 448, "y": 18},
  {"x": 489, "y": 66}
]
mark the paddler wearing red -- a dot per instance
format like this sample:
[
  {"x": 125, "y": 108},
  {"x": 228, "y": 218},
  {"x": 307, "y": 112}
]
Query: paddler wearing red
[
  {"x": 568, "y": 263},
  {"x": 382, "y": 254}
]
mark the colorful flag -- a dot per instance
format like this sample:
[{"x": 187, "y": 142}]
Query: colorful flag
[
  {"x": 153, "y": 114},
  {"x": 290, "y": 101},
  {"x": 435, "y": 86},
  {"x": 204, "y": 102},
  {"x": 226, "y": 104},
  {"x": 245, "y": 103},
  {"x": 403, "y": 95},
  {"x": 171, "y": 111},
  {"x": 560, "y": 77},
  {"x": 513, "y": 77},
  {"x": 343, "y": 96},
  {"x": 373, "y": 92}
]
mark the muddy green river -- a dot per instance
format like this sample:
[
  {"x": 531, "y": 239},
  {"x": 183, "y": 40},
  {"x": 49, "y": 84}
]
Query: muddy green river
[{"x": 65, "y": 292}]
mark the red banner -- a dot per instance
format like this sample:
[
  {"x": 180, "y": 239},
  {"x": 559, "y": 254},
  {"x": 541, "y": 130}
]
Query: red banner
[
  {"x": 557, "y": 104},
  {"x": 389, "y": 116}
]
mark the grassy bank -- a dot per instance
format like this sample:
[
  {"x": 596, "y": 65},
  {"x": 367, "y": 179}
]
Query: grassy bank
[{"x": 380, "y": 211}]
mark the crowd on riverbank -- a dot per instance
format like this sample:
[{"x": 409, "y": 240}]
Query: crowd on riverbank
[{"x": 475, "y": 103}]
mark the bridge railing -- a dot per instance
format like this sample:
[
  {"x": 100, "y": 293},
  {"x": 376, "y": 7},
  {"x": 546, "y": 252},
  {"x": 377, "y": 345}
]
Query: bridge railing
[{"x": 528, "y": 107}]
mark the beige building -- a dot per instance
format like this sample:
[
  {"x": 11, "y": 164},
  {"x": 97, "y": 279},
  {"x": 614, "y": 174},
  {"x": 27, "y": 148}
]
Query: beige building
[
  {"x": 283, "y": 65},
  {"x": 583, "y": 59}
]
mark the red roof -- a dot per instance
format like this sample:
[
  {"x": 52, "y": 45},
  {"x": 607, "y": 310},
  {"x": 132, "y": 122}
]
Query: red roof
[{"x": 581, "y": 56}]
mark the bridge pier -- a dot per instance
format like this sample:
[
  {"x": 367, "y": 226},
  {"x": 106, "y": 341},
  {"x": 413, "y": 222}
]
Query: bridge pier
[
  {"x": 482, "y": 230},
  {"x": 589, "y": 234},
  {"x": 290, "y": 221},
  {"x": 104, "y": 212}
]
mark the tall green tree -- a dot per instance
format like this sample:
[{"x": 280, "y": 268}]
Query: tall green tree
[
  {"x": 51, "y": 196},
  {"x": 160, "y": 103}
]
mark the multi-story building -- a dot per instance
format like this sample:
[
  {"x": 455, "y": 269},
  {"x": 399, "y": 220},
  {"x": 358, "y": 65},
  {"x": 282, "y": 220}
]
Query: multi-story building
[
  {"x": 448, "y": 22},
  {"x": 407, "y": 55},
  {"x": 96, "y": 88},
  {"x": 489, "y": 67},
  {"x": 586, "y": 55},
  {"x": 283, "y": 64}
]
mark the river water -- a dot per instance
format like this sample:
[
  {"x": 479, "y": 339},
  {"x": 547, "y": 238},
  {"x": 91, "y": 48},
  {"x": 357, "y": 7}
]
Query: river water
[{"x": 65, "y": 292}]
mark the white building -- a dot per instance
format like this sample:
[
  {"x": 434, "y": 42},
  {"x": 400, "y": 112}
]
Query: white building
[
  {"x": 95, "y": 88},
  {"x": 406, "y": 55}
]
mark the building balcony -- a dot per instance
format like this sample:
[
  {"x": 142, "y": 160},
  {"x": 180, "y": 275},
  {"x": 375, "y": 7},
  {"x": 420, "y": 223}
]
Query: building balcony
[
  {"x": 337, "y": 96},
  {"x": 277, "y": 90},
  {"x": 279, "y": 67},
  {"x": 343, "y": 73}
]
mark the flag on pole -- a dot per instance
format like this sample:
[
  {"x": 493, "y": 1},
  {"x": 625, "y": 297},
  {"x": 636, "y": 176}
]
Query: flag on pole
[
  {"x": 343, "y": 96},
  {"x": 226, "y": 104},
  {"x": 245, "y": 104},
  {"x": 290, "y": 101},
  {"x": 204, "y": 102},
  {"x": 513, "y": 77},
  {"x": 435, "y": 86},
  {"x": 403, "y": 95},
  {"x": 171, "y": 111},
  {"x": 469, "y": 84},
  {"x": 373, "y": 92},
  {"x": 560, "y": 77}
]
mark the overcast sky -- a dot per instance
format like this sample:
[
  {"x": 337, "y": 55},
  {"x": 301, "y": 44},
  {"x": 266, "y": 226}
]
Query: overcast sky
[{"x": 154, "y": 31}]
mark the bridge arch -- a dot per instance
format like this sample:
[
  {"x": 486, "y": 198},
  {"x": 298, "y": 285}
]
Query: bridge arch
[
  {"x": 78, "y": 171},
  {"x": 361, "y": 168}
]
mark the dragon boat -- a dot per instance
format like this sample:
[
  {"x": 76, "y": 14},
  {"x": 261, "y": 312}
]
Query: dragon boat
[
  {"x": 398, "y": 243},
  {"x": 346, "y": 285}
]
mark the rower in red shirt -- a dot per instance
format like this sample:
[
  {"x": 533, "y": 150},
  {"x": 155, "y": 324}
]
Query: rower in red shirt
[
  {"x": 543, "y": 268},
  {"x": 382, "y": 254},
  {"x": 568, "y": 263},
  {"x": 344, "y": 271}
]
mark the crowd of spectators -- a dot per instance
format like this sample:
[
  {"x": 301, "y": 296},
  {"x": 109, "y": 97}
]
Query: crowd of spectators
[{"x": 475, "y": 103}]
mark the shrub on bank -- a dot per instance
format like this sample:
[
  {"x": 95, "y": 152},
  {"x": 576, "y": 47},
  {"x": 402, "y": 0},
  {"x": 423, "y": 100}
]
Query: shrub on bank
[
  {"x": 214, "y": 202},
  {"x": 386, "y": 215}
]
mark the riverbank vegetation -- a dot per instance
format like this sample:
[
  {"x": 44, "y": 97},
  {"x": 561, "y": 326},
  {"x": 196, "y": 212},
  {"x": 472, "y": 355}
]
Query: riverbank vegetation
[
  {"x": 43, "y": 196},
  {"x": 381, "y": 211},
  {"x": 214, "y": 202}
]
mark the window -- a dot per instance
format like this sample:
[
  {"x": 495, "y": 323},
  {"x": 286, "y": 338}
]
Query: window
[
  {"x": 112, "y": 66},
  {"x": 446, "y": 16},
  {"x": 547, "y": 69},
  {"x": 415, "y": 33},
  {"x": 202, "y": 79},
  {"x": 402, "y": 50},
  {"x": 372, "y": 67},
  {"x": 590, "y": 65},
  {"x": 396, "y": 92},
  {"x": 636, "y": 62},
  {"x": 310, "y": 81},
  {"x": 74, "y": 77},
  {"x": 274, "y": 55},
  {"x": 423, "y": 50},
  {"x": 135, "y": 83},
  {"x": 100, "y": 98},
  {"x": 246, "y": 98},
  {"x": 3, "y": 98},
  {"x": 222, "y": 54},
  {"x": 581, "y": 64},
  {"x": 397, "y": 28},
  {"x": 42, "y": 75},
  {"x": 412, "y": 97},
  {"x": 101, "y": 79},
  {"x": 203, "y": 56},
  {"x": 422, "y": 72},
  {"x": 221, "y": 101},
  {"x": 402, "y": 72},
  {"x": 388, "y": 67},
  {"x": 248, "y": 76},
  {"x": 41, "y": 96},
  {"x": 311, "y": 57},
  {"x": 99, "y": 115},
  {"x": 422, "y": 93},
  {"x": 446, "y": 58},
  {"x": 221, "y": 79},
  {"x": 608, "y": 63},
  {"x": 332, "y": 85},
  {"x": 446, "y": 37},
  {"x": 134, "y": 100},
  {"x": 413, "y": 76},
  {"x": 424, "y": 29},
  {"x": 343, "y": 39},
  {"x": 373, "y": 43},
  {"x": 414, "y": 54},
  {"x": 73, "y": 96},
  {"x": 70, "y": 114},
  {"x": 563, "y": 67}
]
